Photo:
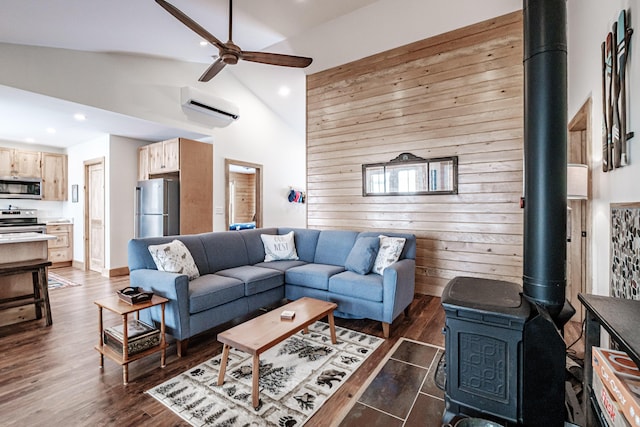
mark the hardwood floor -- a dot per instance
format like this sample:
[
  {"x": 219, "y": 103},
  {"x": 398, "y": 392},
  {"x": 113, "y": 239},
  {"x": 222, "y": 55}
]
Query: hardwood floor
[{"x": 51, "y": 375}]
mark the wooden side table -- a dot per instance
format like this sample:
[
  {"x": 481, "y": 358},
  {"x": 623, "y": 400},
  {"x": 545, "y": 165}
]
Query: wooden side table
[{"x": 116, "y": 305}]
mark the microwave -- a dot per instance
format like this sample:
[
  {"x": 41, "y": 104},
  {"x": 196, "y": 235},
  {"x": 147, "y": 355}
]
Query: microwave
[{"x": 20, "y": 188}]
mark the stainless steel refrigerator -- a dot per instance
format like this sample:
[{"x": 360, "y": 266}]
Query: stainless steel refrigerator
[{"x": 157, "y": 208}]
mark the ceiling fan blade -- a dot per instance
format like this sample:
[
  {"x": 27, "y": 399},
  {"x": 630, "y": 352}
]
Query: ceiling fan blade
[
  {"x": 213, "y": 69},
  {"x": 191, "y": 23},
  {"x": 277, "y": 59}
]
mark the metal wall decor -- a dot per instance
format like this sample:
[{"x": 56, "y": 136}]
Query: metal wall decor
[{"x": 614, "y": 95}]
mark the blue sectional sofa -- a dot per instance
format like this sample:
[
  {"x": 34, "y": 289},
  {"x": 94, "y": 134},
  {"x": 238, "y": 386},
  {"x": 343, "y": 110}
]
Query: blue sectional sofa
[{"x": 235, "y": 280}]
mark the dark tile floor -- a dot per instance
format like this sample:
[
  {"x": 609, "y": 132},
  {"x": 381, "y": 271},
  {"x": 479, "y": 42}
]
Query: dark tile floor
[{"x": 403, "y": 392}]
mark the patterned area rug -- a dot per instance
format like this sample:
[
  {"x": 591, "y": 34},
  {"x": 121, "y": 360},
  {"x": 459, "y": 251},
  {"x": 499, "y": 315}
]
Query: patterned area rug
[
  {"x": 58, "y": 282},
  {"x": 296, "y": 377}
]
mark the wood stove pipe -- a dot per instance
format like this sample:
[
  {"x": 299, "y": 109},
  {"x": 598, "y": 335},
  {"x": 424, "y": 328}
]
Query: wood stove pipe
[{"x": 545, "y": 153}]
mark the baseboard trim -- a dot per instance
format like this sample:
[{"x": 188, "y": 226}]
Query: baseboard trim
[
  {"x": 77, "y": 264},
  {"x": 120, "y": 271}
]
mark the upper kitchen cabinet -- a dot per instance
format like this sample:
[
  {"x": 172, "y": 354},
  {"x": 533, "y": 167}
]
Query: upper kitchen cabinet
[
  {"x": 18, "y": 163},
  {"x": 143, "y": 163},
  {"x": 54, "y": 176},
  {"x": 164, "y": 157},
  {"x": 191, "y": 162}
]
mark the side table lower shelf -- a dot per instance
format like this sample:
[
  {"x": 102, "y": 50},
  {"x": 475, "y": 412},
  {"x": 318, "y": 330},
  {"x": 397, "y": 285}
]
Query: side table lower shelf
[{"x": 115, "y": 305}]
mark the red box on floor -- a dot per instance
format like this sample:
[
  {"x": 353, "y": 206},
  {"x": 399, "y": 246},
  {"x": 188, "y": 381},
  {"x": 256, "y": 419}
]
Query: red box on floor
[{"x": 621, "y": 378}]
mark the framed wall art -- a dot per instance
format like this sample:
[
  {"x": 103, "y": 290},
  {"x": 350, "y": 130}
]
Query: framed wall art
[{"x": 625, "y": 250}]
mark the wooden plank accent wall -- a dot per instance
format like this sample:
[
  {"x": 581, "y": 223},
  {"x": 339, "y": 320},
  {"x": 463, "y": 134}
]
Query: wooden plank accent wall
[{"x": 455, "y": 94}]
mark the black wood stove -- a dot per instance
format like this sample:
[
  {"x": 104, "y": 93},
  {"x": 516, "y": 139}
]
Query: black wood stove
[{"x": 504, "y": 349}]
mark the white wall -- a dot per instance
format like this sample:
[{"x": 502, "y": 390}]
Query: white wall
[
  {"x": 77, "y": 155},
  {"x": 122, "y": 175},
  {"x": 588, "y": 24}
]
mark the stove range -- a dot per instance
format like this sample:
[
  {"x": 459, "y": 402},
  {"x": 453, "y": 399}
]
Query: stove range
[{"x": 20, "y": 221}]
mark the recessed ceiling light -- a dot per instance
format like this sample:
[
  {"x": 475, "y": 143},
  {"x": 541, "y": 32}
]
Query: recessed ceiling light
[
  {"x": 80, "y": 117},
  {"x": 284, "y": 91},
  {"x": 51, "y": 130},
  {"x": 204, "y": 43}
]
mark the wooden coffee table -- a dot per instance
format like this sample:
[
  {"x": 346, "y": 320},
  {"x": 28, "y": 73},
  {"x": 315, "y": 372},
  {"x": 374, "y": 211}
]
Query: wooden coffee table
[{"x": 263, "y": 332}]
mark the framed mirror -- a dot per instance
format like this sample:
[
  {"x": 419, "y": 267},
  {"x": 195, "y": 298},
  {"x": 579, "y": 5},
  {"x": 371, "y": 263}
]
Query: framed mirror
[
  {"x": 243, "y": 194},
  {"x": 408, "y": 175}
]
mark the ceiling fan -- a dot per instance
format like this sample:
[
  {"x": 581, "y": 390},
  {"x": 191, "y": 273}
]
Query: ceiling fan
[{"x": 230, "y": 53}]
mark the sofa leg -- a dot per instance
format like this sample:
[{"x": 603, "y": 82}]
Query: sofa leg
[
  {"x": 181, "y": 346},
  {"x": 385, "y": 329},
  {"x": 406, "y": 311}
]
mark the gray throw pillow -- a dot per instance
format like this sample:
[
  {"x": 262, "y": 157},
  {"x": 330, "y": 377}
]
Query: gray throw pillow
[{"x": 363, "y": 255}]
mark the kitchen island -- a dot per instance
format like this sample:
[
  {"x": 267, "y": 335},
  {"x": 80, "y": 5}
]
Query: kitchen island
[{"x": 23, "y": 277}]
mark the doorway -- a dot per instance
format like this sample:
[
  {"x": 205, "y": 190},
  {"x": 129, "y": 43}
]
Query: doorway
[
  {"x": 243, "y": 194},
  {"x": 579, "y": 277},
  {"x": 94, "y": 244}
]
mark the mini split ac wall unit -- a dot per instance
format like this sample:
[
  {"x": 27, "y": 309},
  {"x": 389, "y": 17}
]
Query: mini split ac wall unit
[{"x": 207, "y": 109}]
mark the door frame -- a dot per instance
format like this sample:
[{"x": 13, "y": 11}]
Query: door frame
[
  {"x": 87, "y": 200},
  {"x": 258, "y": 168},
  {"x": 582, "y": 123}
]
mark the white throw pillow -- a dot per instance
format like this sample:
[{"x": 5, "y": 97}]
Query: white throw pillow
[
  {"x": 174, "y": 257},
  {"x": 389, "y": 252},
  {"x": 279, "y": 247}
]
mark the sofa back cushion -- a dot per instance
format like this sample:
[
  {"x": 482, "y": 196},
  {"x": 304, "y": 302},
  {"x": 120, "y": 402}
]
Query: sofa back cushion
[
  {"x": 334, "y": 246},
  {"x": 138, "y": 256},
  {"x": 224, "y": 249},
  {"x": 306, "y": 241},
  {"x": 255, "y": 248},
  {"x": 409, "y": 250}
]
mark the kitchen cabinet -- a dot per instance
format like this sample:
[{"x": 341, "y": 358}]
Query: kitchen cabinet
[
  {"x": 143, "y": 163},
  {"x": 191, "y": 162},
  {"x": 164, "y": 156},
  {"x": 19, "y": 163},
  {"x": 60, "y": 250},
  {"x": 54, "y": 176}
]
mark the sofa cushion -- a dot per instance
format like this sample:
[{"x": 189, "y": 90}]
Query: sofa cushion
[
  {"x": 256, "y": 279},
  {"x": 367, "y": 287},
  {"x": 212, "y": 290},
  {"x": 363, "y": 255},
  {"x": 253, "y": 242},
  {"x": 334, "y": 246},
  {"x": 312, "y": 275},
  {"x": 174, "y": 257},
  {"x": 279, "y": 247},
  {"x": 224, "y": 250},
  {"x": 409, "y": 250},
  {"x": 306, "y": 242},
  {"x": 138, "y": 256},
  {"x": 389, "y": 252},
  {"x": 280, "y": 265}
]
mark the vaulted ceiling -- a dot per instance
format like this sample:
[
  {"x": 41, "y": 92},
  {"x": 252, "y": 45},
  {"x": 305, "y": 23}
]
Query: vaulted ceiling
[{"x": 332, "y": 32}]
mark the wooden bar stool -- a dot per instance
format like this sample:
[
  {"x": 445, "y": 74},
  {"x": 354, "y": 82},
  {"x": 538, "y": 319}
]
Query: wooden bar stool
[{"x": 40, "y": 295}]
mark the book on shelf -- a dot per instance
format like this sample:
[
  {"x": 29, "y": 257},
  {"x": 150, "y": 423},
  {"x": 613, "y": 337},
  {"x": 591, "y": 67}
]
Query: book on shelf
[
  {"x": 287, "y": 314},
  {"x": 621, "y": 377},
  {"x": 135, "y": 329},
  {"x": 140, "y": 337}
]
